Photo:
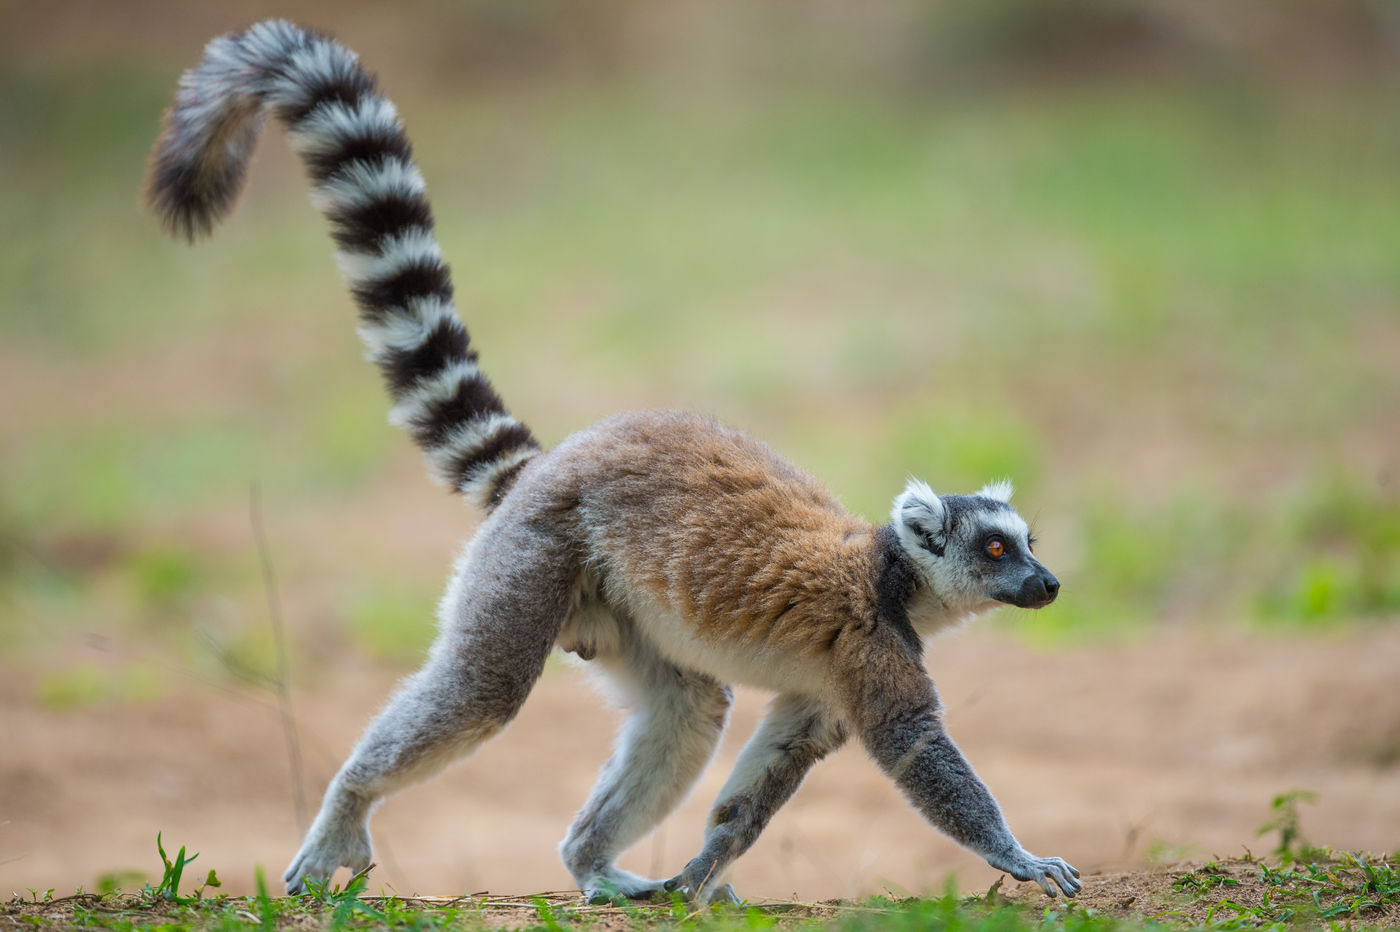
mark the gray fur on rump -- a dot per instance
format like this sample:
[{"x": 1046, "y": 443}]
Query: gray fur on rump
[{"x": 677, "y": 555}]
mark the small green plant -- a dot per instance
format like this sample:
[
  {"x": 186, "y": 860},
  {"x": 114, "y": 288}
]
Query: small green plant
[
  {"x": 409, "y": 917},
  {"x": 679, "y": 908},
  {"x": 547, "y": 916},
  {"x": 1292, "y": 845},
  {"x": 169, "y": 886},
  {"x": 1353, "y": 886},
  {"x": 346, "y": 902},
  {"x": 266, "y": 912},
  {"x": 1206, "y": 877}
]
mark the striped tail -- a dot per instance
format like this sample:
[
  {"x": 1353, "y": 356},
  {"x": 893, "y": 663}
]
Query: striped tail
[{"x": 366, "y": 183}]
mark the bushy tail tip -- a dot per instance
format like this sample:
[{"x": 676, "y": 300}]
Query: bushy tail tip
[{"x": 200, "y": 161}]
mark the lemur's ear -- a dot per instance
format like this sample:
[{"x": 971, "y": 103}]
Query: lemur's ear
[
  {"x": 999, "y": 490},
  {"x": 920, "y": 518}
]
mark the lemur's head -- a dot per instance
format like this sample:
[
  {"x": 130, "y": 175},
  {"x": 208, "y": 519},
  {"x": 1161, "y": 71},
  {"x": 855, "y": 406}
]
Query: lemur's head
[{"x": 972, "y": 550}]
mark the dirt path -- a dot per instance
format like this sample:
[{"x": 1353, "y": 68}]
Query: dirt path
[{"x": 1103, "y": 756}]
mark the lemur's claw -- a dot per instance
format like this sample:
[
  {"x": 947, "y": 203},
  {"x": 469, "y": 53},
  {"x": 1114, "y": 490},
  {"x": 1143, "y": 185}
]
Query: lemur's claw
[{"x": 1025, "y": 866}]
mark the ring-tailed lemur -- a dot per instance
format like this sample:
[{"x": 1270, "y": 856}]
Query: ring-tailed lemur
[{"x": 677, "y": 555}]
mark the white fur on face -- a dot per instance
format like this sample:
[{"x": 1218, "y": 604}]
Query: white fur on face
[
  {"x": 1009, "y": 523},
  {"x": 919, "y": 513},
  {"x": 917, "y": 510},
  {"x": 952, "y": 592}
]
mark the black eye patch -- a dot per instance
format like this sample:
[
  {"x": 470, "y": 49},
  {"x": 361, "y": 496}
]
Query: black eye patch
[{"x": 1009, "y": 548}]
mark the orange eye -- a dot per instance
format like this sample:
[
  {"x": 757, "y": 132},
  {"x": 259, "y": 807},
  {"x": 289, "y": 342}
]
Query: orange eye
[{"x": 995, "y": 548}]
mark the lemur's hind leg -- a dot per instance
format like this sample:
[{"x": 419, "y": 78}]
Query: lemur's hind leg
[
  {"x": 676, "y": 724},
  {"x": 795, "y": 734},
  {"x": 498, "y": 621}
]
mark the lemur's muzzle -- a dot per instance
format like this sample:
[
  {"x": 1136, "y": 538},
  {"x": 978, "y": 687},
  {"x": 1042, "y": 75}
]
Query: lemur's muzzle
[{"x": 1037, "y": 591}]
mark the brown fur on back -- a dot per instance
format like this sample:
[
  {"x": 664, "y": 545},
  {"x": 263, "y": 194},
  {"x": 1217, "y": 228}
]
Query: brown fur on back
[{"x": 719, "y": 529}]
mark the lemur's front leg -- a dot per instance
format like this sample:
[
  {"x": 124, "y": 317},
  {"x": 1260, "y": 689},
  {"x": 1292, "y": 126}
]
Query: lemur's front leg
[
  {"x": 933, "y": 773},
  {"x": 896, "y": 712},
  {"x": 796, "y": 733}
]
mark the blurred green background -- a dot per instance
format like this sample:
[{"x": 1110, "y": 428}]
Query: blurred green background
[{"x": 1143, "y": 258}]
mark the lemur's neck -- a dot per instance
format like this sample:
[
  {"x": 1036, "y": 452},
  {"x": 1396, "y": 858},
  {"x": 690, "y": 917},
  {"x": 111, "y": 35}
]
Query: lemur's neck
[
  {"x": 896, "y": 583},
  {"x": 905, "y": 598}
]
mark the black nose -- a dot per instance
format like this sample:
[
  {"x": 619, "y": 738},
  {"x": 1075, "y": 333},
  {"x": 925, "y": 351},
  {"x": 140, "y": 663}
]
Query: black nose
[{"x": 1037, "y": 590}]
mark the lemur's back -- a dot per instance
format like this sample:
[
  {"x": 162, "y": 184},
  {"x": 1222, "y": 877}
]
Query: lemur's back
[{"x": 713, "y": 525}]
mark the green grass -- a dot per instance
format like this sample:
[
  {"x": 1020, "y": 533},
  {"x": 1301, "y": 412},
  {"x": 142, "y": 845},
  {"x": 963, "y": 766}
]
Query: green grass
[
  {"x": 1304, "y": 888},
  {"x": 1352, "y": 888},
  {"x": 1329, "y": 888}
]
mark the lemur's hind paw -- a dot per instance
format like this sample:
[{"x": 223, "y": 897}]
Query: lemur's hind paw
[
  {"x": 619, "y": 886},
  {"x": 1025, "y": 866}
]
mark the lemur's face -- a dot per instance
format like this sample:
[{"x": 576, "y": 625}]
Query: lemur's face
[
  {"x": 973, "y": 550},
  {"x": 996, "y": 552}
]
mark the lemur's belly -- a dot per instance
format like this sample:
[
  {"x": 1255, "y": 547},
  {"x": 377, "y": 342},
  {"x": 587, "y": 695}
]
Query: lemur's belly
[
  {"x": 743, "y": 663},
  {"x": 597, "y": 631}
]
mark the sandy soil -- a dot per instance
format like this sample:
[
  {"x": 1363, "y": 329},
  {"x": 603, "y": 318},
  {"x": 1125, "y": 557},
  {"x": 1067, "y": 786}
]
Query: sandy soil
[{"x": 1101, "y": 756}]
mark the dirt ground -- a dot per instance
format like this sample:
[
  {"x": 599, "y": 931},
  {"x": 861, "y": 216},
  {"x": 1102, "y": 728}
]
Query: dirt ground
[{"x": 1111, "y": 757}]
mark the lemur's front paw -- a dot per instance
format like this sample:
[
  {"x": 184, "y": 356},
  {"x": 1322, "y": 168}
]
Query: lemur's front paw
[
  {"x": 699, "y": 888},
  {"x": 331, "y": 843},
  {"x": 1023, "y": 865}
]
